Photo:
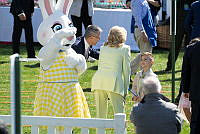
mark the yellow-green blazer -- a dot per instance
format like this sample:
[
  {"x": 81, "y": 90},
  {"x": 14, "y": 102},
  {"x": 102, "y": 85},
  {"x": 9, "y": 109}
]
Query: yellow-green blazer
[{"x": 113, "y": 72}]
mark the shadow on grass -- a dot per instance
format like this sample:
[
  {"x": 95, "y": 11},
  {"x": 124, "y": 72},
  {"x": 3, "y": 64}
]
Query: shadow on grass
[
  {"x": 7, "y": 49},
  {"x": 160, "y": 50},
  {"x": 161, "y": 72},
  {"x": 93, "y": 68},
  {"x": 33, "y": 66},
  {"x": 86, "y": 89},
  {"x": 3, "y": 62}
]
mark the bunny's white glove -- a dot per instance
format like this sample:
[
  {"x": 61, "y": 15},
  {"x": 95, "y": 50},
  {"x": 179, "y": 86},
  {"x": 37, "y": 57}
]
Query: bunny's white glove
[
  {"x": 75, "y": 60},
  {"x": 49, "y": 52}
]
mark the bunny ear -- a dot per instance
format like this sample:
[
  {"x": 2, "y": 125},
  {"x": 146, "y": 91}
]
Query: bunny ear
[
  {"x": 64, "y": 5},
  {"x": 46, "y": 7}
]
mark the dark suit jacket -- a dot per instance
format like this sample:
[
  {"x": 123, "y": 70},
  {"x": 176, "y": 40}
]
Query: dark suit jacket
[
  {"x": 192, "y": 22},
  {"x": 79, "y": 47},
  {"x": 155, "y": 116},
  {"x": 22, "y": 6},
  {"x": 191, "y": 71}
]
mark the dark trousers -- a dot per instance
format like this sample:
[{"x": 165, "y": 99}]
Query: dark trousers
[
  {"x": 17, "y": 31},
  {"x": 179, "y": 38},
  {"x": 77, "y": 22},
  {"x": 195, "y": 119},
  {"x": 178, "y": 46}
]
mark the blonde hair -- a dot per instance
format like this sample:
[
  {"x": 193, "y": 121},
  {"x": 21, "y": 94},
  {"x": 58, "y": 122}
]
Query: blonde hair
[
  {"x": 149, "y": 55},
  {"x": 116, "y": 37}
]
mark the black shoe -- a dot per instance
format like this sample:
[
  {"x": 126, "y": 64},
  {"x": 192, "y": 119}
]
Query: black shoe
[
  {"x": 167, "y": 69},
  {"x": 31, "y": 56},
  {"x": 33, "y": 66}
]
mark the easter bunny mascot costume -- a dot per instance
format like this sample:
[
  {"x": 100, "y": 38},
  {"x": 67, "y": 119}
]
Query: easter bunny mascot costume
[{"x": 59, "y": 93}]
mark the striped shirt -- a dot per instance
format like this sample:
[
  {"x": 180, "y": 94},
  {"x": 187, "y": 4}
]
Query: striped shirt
[{"x": 139, "y": 11}]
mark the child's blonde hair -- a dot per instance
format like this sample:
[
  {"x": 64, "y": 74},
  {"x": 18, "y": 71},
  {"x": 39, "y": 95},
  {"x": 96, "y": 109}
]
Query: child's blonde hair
[{"x": 149, "y": 55}]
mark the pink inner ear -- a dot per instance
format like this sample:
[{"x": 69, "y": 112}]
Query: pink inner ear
[
  {"x": 65, "y": 6},
  {"x": 48, "y": 7}
]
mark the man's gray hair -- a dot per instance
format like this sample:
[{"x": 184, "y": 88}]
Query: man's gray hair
[
  {"x": 92, "y": 30},
  {"x": 150, "y": 85},
  {"x": 3, "y": 128}
]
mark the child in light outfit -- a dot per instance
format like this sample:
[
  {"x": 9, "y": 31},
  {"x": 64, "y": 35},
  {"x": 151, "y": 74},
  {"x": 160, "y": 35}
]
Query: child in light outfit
[{"x": 146, "y": 62}]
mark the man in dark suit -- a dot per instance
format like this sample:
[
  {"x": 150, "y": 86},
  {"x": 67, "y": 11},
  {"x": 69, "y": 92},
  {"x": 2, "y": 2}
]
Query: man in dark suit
[
  {"x": 190, "y": 82},
  {"x": 192, "y": 21},
  {"x": 83, "y": 45},
  {"x": 182, "y": 11},
  {"x": 22, "y": 11}
]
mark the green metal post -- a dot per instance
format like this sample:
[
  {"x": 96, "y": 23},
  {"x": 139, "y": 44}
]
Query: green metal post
[
  {"x": 15, "y": 94},
  {"x": 173, "y": 36}
]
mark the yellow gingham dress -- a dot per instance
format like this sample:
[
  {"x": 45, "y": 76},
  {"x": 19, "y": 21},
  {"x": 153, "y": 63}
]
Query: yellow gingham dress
[{"x": 59, "y": 93}]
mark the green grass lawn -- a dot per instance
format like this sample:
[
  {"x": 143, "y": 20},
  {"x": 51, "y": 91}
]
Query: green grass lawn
[{"x": 29, "y": 77}]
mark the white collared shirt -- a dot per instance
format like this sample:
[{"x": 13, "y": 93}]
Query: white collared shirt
[{"x": 86, "y": 44}]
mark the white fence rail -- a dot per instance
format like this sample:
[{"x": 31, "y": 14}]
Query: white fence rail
[{"x": 118, "y": 123}]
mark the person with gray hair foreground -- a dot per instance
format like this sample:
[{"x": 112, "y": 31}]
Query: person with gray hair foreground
[
  {"x": 3, "y": 128},
  {"x": 154, "y": 115},
  {"x": 83, "y": 45}
]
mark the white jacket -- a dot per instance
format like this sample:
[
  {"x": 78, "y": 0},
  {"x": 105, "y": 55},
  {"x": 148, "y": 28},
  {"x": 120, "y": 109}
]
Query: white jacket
[{"x": 76, "y": 8}]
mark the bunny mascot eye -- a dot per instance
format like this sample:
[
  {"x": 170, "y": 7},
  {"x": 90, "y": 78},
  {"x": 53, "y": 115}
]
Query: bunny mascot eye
[
  {"x": 56, "y": 27},
  {"x": 71, "y": 25},
  {"x": 55, "y": 19}
]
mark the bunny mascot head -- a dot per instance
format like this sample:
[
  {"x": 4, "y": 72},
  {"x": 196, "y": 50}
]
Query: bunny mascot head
[
  {"x": 60, "y": 65},
  {"x": 57, "y": 33},
  {"x": 55, "y": 18}
]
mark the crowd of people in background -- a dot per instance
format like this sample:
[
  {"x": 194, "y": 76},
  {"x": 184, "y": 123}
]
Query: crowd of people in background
[{"x": 113, "y": 77}]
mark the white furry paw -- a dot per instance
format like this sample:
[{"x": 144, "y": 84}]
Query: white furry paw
[
  {"x": 71, "y": 60},
  {"x": 82, "y": 66}
]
